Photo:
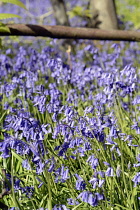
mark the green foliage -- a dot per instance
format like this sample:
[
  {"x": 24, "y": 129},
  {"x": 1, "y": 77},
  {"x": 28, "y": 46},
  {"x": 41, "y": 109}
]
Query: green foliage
[
  {"x": 7, "y": 16},
  {"x": 79, "y": 11},
  {"x": 130, "y": 11},
  {"x": 76, "y": 11},
  {"x": 3, "y": 27},
  {"x": 15, "y": 2}
]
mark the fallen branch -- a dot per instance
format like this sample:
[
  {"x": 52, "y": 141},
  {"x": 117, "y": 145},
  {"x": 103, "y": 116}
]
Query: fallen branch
[{"x": 65, "y": 32}]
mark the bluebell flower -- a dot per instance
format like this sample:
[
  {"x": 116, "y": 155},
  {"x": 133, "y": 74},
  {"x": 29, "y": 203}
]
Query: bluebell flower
[
  {"x": 113, "y": 132},
  {"x": 72, "y": 201},
  {"x": 39, "y": 164},
  {"x": 50, "y": 164},
  {"x": 40, "y": 184},
  {"x": 136, "y": 179},
  {"x": 94, "y": 162},
  {"x": 5, "y": 149},
  {"x": 57, "y": 131},
  {"x": 26, "y": 164},
  {"x": 29, "y": 191},
  {"x": 96, "y": 182},
  {"x": 84, "y": 196},
  {"x": 54, "y": 117},
  {"x": 136, "y": 165},
  {"x": 136, "y": 100},
  {"x": 63, "y": 149},
  {"x": 60, "y": 207},
  {"x": 61, "y": 174},
  {"x": 87, "y": 133},
  {"x": 117, "y": 150},
  {"x": 80, "y": 183},
  {"x": 109, "y": 172},
  {"x": 46, "y": 128},
  {"x": 136, "y": 126},
  {"x": 116, "y": 47},
  {"x": 118, "y": 171},
  {"x": 76, "y": 142},
  {"x": 101, "y": 173},
  {"x": 90, "y": 198},
  {"x": 17, "y": 185},
  {"x": 106, "y": 163}
]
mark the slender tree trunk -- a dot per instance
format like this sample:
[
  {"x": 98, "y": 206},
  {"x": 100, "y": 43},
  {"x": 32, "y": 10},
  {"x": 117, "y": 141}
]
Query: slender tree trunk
[
  {"x": 60, "y": 14},
  {"x": 103, "y": 14}
]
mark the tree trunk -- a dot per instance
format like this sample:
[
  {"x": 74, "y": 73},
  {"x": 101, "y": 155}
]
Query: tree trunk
[
  {"x": 60, "y": 14},
  {"x": 103, "y": 14}
]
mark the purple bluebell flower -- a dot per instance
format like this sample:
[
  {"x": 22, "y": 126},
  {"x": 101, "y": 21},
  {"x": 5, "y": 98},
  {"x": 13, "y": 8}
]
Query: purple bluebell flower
[
  {"x": 40, "y": 102},
  {"x": 26, "y": 164},
  {"x": 136, "y": 127},
  {"x": 116, "y": 47},
  {"x": 72, "y": 201},
  {"x": 90, "y": 198},
  {"x": 5, "y": 149},
  {"x": 109, "y": 172},
  {"x": 61, "y": 174},
  {"x": 80, "y": 183},
  {"x": 29, "y": 191},
  {"x": 57, "y": 131},
  {"x": 106, "y": 163},
  {"x": 101, "y": 173},
  {"x": 136, "y": 179},
  {"x": 136, "y": 165},
  {"x": 50, "y": 164},
  {"x": 96, "y": 182},
  {"x": 76, "y": 142},
  {"x": 94, "y": 162},
  {"x": 63, "y": 149},
  {"x": 118, "y": 171},
  {"x": 136, "y": 100},
  {"x": 138, "y": 157},
  {"x": 60, "y": 207}
]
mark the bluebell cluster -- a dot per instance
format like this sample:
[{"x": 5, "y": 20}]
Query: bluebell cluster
[{"x": 68, "y": 112}]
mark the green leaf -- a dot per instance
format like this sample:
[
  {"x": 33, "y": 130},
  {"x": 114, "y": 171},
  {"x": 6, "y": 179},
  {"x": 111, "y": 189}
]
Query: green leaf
[
  {"x": 18, "y": 157},
  {"x": 134, "y": 193},
  {"x": 42, "y": 201},
  {"x": 15, "y": 2},
  {"x": 6, "y": 16},
  {"x": 4, "y": 28},
  {"x": 77, "y": 206},
  {"x": 77, "y": 11},
  {"x": 122, "y": 207},
  {"x": 5, "y": 112}
]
